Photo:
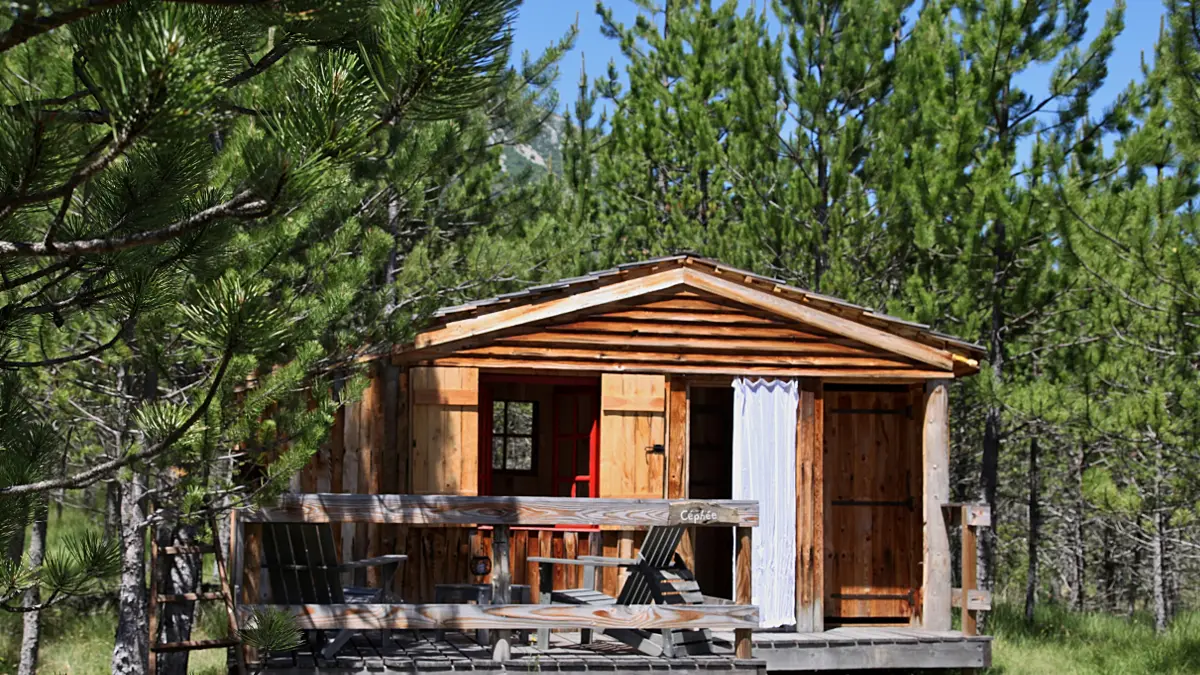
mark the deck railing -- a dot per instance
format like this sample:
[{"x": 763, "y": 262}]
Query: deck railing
[
  {"x": 502, "y": 513},
  {"x": 970, "y": 599}
]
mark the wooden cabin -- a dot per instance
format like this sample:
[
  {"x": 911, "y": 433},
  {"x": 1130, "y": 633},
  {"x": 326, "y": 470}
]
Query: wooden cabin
[{"x": 625, "y": 383}]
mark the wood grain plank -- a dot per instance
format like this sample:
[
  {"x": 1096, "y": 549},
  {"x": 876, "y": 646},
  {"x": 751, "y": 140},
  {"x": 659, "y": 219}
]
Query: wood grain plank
[
  {"x": 676, "y": 356},
  {"x": 837, "y": 325},
  {"x": 676, "y": 343},
  {"x": 535, "y": 366},
  {"x": 677, "y": 437},
  {"x": 473, "y": 617},
  {"x": 507, "y": 318},
  {"x": 743, "y": 587},
  {"x": 666, "y": 328},
  {"x": 487, "y": 510},
  {"x": 809, "y": 511},
  {"x": 935, "y": 584}
]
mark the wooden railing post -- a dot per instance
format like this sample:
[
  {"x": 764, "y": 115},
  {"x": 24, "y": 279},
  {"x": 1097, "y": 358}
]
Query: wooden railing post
[
  {"x": 969, "y": 599},
  {"x": 743, "y": 646},
  {"x": 501, "y": 587},
  {"x": 969, "y": 619}
]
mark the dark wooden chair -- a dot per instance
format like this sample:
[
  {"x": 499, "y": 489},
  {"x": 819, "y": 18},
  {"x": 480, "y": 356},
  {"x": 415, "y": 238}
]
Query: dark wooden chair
[
  {"x": 303, "y": 569},
  {"x": 656, "y": 576}
]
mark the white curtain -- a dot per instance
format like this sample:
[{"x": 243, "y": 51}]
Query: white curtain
[{"x": 764, "y": 469}]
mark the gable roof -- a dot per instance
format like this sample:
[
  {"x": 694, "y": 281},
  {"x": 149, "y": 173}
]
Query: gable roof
[{"x": 566, "y": 297}]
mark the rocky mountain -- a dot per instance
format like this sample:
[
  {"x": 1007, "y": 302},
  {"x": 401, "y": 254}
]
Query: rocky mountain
[{"x": 542, "y": 153}]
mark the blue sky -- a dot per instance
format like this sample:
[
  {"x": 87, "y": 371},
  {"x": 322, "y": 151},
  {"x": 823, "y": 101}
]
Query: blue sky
[{"x": 541, "y": 22}]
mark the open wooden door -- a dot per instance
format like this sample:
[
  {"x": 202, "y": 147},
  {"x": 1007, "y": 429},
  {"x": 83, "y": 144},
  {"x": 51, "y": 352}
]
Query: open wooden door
[
  {"x": 445, "y": 430},
  {"x": 633, "y": 427}
]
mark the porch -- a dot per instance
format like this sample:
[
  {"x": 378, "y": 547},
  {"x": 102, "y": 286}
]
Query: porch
[{"x": 426, "y": 638}]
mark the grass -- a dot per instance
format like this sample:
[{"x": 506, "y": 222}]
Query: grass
[{"x": 1061, "y": 642}]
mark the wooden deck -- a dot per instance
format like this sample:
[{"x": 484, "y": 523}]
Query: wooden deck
[
  {"x": 872, "y": 648},
  {"x": 459, "y": 652},
  {"x": 832, "y": 650}
]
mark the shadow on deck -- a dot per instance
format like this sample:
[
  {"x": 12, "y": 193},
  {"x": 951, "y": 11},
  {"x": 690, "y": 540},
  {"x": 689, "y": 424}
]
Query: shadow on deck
[
  {"x": 457, "y": 652},
  {"x": 836, "y": 649}
]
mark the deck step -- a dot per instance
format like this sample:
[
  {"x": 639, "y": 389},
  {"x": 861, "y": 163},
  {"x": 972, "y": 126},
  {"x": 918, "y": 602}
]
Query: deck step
[
  {"x": 184, "y": 550},
  {"x": 190, "y": 645},
  {"x": 190, "y": 597}
]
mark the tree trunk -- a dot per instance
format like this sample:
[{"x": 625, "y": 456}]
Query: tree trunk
[
  {"x": 1108, "y": 568},
  {"x": 182, "y": 575},
  {"x": 1157, "y": 575},
  {"x": 16, "y": 544},
  {"x": 130, "y": 649},
  {"x": 1035, "y": 523},
  {"x": 112, "y": 509},
  {"x": 32, "y": 636},
  {"x": 1131, "y": 582},
  {"x": 1078, "y": 542}
]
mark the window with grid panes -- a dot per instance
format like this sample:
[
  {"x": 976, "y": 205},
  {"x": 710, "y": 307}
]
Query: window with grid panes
[{"x": 514, "y": 436}]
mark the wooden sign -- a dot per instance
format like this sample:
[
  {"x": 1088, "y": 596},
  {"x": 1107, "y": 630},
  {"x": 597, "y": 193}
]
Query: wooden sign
[{"x": 699, "y": 513}]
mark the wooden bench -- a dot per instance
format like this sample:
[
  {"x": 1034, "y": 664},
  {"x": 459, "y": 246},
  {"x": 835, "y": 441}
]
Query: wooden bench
[{"x": 302, "y": 568}]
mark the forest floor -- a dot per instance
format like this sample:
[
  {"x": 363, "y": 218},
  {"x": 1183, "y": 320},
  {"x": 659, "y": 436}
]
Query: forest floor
[{"x": 78, "y": 639}]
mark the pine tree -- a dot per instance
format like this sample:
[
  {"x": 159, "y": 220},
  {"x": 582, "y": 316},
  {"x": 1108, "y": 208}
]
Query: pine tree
[
  {"x": 187, "y": 207},
  {"x": 983, "y": 264},
  {"x": 666, "y": 170}
]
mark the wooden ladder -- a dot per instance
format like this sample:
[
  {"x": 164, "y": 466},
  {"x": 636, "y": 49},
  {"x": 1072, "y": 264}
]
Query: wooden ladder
[{"x": 225, "y": 594}]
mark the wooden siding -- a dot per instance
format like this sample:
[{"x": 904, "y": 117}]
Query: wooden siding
[
  {"x": 872, "y": 468},
  {"x": 810, "y": 508},
  {"x": 676, "y": 331},
  {"x": 445, "y": 428}
]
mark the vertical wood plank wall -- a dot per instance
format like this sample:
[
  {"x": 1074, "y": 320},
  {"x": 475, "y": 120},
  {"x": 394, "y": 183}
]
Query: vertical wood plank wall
[{"x": 810, "y": 508}]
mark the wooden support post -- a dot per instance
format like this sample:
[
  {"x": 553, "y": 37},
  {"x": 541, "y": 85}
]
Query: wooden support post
[
  {"x": 743, "y": 645},
  {"x": 501, "y": 585},
  {"x": 935, "y": 450},
  {"x": 810, "y": 508},
  {"x": 970, "y": 625}
]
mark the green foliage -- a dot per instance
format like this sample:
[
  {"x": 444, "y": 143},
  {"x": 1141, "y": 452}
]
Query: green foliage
[{"x": 271, "y": 630}]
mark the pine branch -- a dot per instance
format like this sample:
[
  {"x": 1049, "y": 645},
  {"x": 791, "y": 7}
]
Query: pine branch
[
  {"x": 23, "y": 31},
  {"x": 70, "y": 358},
  {"x": 244, "y": 205},
  {"x": 102, "y": 470}
]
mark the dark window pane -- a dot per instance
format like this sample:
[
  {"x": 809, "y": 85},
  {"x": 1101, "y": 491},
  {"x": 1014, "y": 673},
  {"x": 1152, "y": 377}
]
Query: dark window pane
[
  {"x": 520, "y": 454},
  {"x": 498, "y": 453},
  {"x": 583, "y": 456},
  {"x": 520, "y": 418}
]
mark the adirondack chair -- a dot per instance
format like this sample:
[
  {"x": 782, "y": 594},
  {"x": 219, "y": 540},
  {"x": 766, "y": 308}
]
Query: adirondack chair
[
  {"x": 303, "y": 568},
  {"x": 657, "y": 575}
]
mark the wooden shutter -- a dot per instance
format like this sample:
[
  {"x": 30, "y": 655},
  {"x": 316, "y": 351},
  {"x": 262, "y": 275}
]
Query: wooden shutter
[
  {"x": 445, "y": 430},
  {"x": 632, "y": 423}
]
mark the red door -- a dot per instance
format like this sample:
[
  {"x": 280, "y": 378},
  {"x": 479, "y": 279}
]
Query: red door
[{"x": 576, "y": 451}]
